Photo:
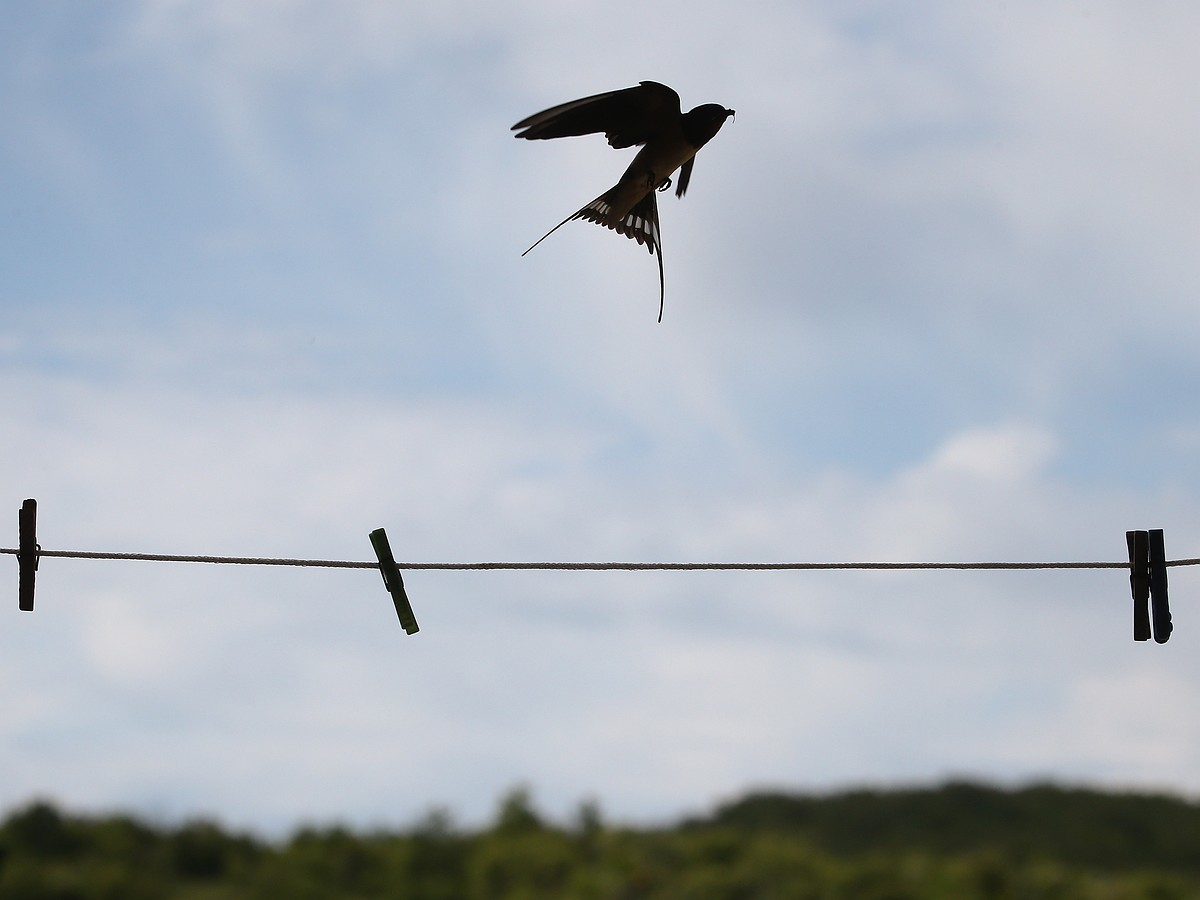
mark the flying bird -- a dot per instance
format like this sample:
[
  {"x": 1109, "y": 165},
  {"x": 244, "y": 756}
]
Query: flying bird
[{"x": 648, "y": 116}]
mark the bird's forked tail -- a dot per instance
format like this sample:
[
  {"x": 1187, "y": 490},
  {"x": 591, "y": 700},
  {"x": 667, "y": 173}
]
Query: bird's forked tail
[{"x": 639, "y": 224}]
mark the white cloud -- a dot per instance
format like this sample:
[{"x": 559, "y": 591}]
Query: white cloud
[{"x": 1002, "y": 455}]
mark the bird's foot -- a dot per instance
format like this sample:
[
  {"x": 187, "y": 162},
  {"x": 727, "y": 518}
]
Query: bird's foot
[{"x": 653, "y": 182}]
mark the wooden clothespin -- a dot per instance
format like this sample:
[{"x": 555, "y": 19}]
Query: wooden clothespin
[
  {"x": 392, "y": 580},
  {"x": 28, "y": 553},
  {"x": 1139, "y": 582},
  {"x": 1148, "y": 582},
  {"x": 1160, "y": 610}
]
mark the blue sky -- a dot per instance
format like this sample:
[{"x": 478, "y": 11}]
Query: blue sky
[{"x": 931, "y": 296}]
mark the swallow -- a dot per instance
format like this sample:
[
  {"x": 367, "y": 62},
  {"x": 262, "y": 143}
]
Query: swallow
[{"x": 648, "y": 116}]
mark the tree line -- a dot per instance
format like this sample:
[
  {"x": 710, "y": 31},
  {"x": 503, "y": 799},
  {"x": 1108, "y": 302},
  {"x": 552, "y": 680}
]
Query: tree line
[{"x": 959, "y": 840}]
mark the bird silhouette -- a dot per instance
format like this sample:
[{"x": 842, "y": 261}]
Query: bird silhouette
[{"x": 649, "y": 116}]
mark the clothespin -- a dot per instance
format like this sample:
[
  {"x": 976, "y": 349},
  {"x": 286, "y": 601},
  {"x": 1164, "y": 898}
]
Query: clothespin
[
  {"x": 1148, "y": 582},
  {"x": 392, "y": 580},
  {"x": 28, "y": 552},
  {"x": 1160, "y": 611},
  {"x": 1139, "y": 582}
]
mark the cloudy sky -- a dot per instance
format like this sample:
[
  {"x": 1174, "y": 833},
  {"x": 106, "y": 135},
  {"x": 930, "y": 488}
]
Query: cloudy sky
[{"x": 931, "y": 296}]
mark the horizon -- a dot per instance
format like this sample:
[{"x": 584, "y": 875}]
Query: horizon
[{"x": 445, "y": 817}]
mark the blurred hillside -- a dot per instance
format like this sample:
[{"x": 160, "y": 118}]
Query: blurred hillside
[
  {"x": 1104, "y": 831},
  {"x": 957, "y": 841}
]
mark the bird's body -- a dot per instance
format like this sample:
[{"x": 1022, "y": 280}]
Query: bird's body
[
  {"x": 654, "y": 164},
  {"x": 648, "y": 115}
]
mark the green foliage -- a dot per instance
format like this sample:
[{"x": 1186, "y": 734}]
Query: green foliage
[
  {"x": 201, "y": 851},
  {"x": 516, "y": 814},
  {"x": 41, "y": 832},
  {"x": 958, "y": 842},
  {"x": 1085, "y": 828}
]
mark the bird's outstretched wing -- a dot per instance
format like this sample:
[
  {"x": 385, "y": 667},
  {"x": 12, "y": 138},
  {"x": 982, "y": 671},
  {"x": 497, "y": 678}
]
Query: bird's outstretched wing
[{"x": 627, "y": 117}]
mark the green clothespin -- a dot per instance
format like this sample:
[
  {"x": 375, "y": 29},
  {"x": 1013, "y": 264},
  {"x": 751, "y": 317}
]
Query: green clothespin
[{"x": 392, "y": 580}]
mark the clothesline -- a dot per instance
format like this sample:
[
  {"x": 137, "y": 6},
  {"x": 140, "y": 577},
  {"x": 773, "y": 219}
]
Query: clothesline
[
  {"x": 584, "y": 566},
  {"x": 1147, "y": 567}
]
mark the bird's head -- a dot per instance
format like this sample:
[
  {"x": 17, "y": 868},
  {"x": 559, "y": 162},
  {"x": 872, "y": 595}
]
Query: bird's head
[{"x": 703, "y": 122}]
